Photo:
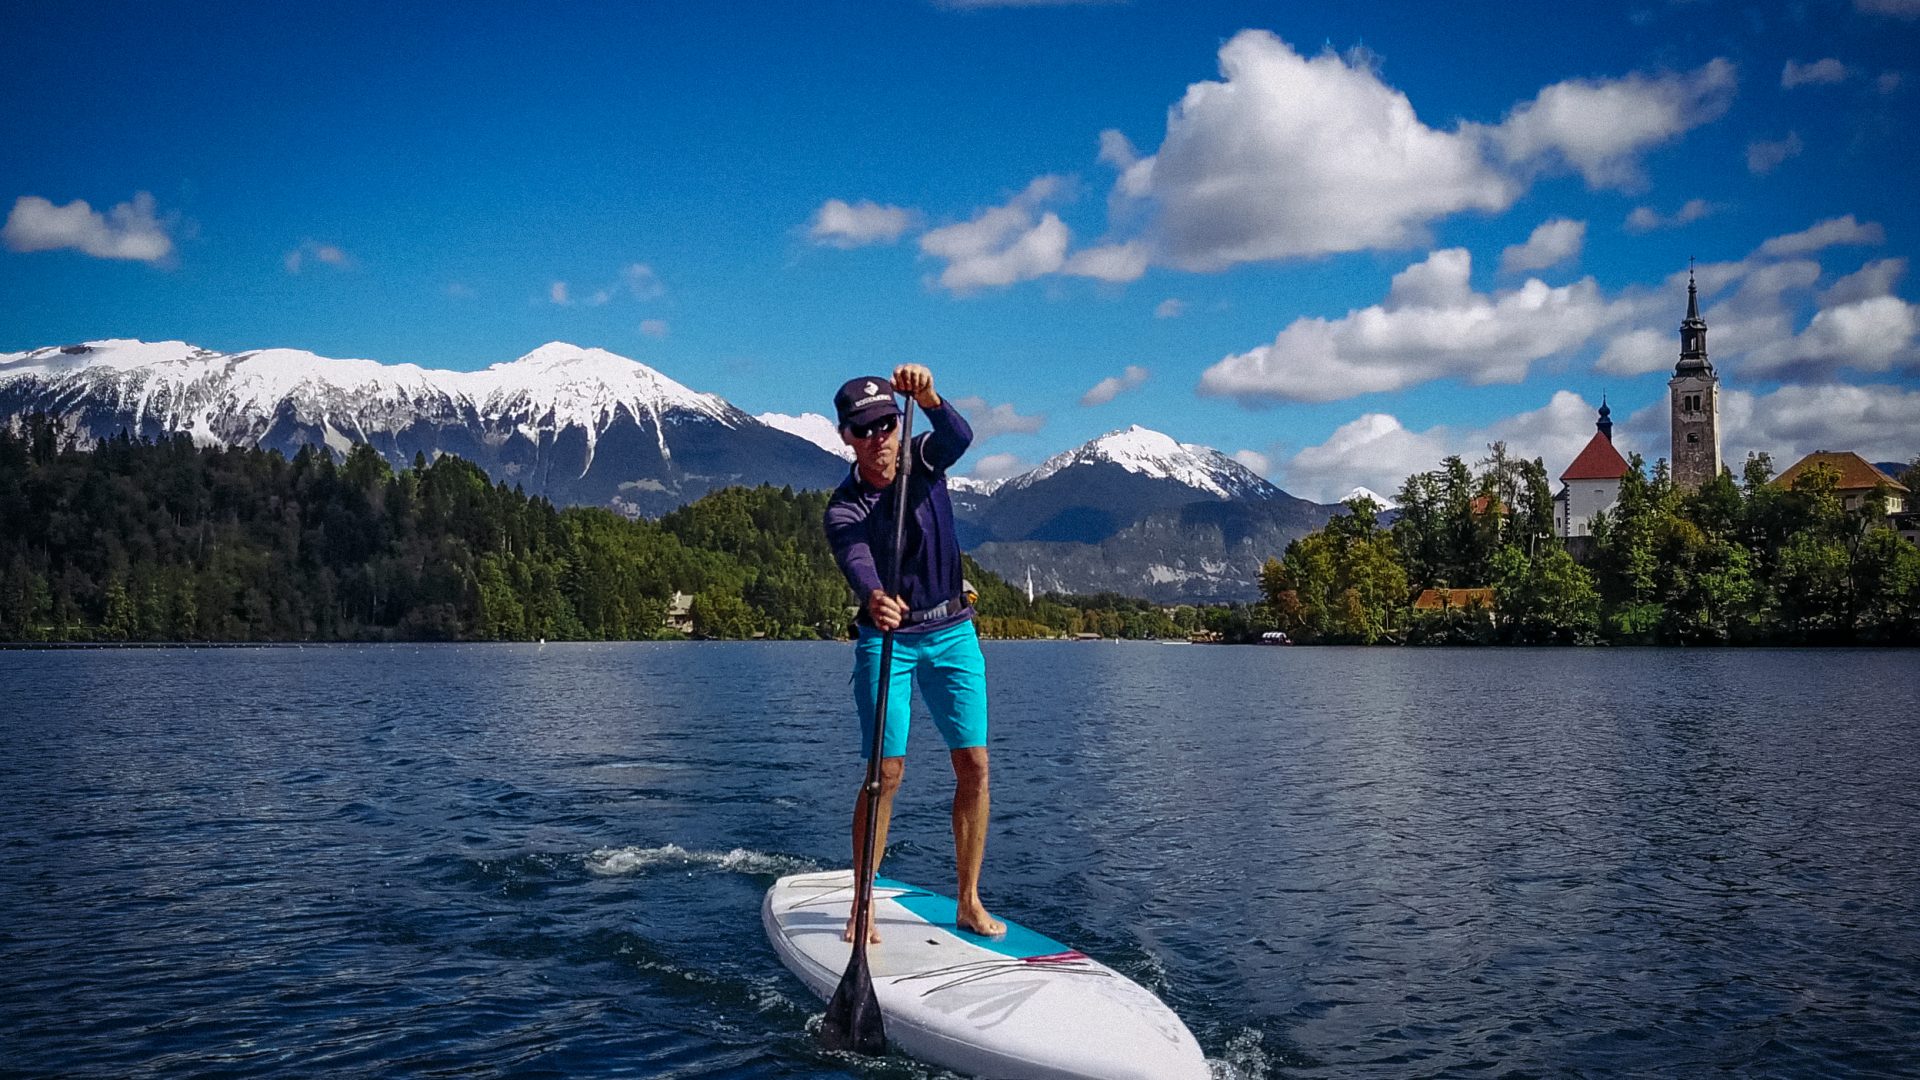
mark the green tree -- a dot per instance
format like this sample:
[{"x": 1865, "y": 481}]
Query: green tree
[
  {"x": 1544, "y": 598},
  {"x": 718, "y": 614}
]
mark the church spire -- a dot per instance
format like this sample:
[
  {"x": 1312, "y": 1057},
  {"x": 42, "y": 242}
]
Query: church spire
[
  {"x": 1693, "y": 333},
  {"x": 1694, "y": 392},
  {"x": 1606, "y": 419}
]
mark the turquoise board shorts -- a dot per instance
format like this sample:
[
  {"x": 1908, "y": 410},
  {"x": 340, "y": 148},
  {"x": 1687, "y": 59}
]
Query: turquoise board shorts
[{"x": 953, "y": 681}]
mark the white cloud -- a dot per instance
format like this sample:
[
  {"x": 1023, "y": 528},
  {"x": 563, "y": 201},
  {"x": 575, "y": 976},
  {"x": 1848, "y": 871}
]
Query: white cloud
[
  {"x": 851, "y": 225},
  {"x": 1114, "y": 385},
  {"x": 1432, "y": 326},
  {"x": 1003, "y": 244},
  {"x": 1872, "y": 334},
  {"x": 1888, "y": 82},
  {"x": 1647, "y": 219},
  {"x": 129, "y": 230},
  {"x": 325, "y": 254},
  {"x": 990, "y": 421},
  {"x": 1832, "y": 232},
  {"x": 654, "y": 328},
  {"x": 1170, "y": 308},
  {"x": 1551, "y": 244},
  {"x": 1376, "y": 451},
  {"x": 1899, "y": 9},
  {"x": 1877, "y": 278},
  {"x": 561, "y": 294},
  {"x": 1117, "y": 150},
  {"x": 1114, "y": 262},
  {"x": 1288, "y": 156},
  {"x": 1763, "y": 157},
  {"x": 1600, "y": 127},
  {"x": 640, "y": 280},
  {"x": 1253, "y": 459},
  {"x": 998, "y": 467},
  {"x": 636, "y": 279},
  {"x": 1753, "y": 306},
  {"x": 1816, "y": 73},
  {"x": 1877, "y": 422},
  {"x": 1638, "y": 352}
]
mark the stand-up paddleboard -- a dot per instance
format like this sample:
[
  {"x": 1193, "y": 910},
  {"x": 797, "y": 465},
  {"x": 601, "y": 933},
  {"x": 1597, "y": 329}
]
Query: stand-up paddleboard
[{"x": 1020, "y": 1006}]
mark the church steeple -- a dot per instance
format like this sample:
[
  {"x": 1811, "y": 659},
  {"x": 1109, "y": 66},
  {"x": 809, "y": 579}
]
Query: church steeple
[
  {"x": 1694, "y": 392},
  {"x": 1606, "y": 419},
  {"x": 1693, "y": 335}
]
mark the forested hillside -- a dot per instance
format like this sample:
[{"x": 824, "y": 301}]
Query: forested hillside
[{"x": 138, "y": 541}]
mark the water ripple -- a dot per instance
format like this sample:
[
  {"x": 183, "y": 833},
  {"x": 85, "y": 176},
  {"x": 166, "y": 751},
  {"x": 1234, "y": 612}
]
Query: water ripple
[{"x": 506, "y": 861}]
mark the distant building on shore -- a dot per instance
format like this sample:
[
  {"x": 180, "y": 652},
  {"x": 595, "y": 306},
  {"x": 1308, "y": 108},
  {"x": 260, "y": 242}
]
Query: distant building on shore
[
  {"x": 1858, "y": 479},
  {"x": 1591, "y": 485},
  {"x": 1694, "y": 393}
]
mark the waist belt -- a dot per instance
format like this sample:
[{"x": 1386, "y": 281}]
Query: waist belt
[{"x": 938, "y": 611}]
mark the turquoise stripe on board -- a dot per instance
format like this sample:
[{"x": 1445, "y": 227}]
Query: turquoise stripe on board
[{"x": 941, "y": 911}]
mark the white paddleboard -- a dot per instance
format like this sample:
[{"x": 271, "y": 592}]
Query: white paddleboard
[{"x": 1019, "y": 1007}]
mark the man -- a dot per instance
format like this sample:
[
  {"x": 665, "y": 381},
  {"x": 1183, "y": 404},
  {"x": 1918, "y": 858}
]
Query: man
[{"x": 934, "y": 640}]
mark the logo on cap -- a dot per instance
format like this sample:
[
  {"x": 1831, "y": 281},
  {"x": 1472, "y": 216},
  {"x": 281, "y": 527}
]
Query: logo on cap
[{"x": 873, "y": 388}]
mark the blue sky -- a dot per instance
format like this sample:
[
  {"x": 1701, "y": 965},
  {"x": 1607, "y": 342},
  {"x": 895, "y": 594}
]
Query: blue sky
[{"x": 1338, "y": 240}]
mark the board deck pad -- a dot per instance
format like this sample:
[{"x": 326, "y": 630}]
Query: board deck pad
[{"x": 1018, "y": 1006}]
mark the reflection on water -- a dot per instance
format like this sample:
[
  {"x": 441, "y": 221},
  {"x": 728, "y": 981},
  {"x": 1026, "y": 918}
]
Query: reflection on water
[{"x": 523, "y": 860}]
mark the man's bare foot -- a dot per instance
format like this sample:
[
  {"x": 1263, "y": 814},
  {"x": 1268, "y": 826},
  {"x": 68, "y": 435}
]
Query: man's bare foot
[
  {"x": 873, "y": 932},
  {"x": 975, "y": 920}
]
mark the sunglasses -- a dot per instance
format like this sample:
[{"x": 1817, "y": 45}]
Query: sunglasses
[{"x": 883, "y": 426}]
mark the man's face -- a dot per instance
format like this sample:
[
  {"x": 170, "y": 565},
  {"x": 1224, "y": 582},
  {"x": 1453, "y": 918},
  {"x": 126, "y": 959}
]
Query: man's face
[{"x": 874, "y": 443}]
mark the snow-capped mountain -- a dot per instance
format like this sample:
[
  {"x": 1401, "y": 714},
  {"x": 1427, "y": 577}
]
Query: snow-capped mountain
[
  {"x": 1091, "y": 492},
  {"x": 819, "y": 430},
  {"x": 1379, "y": 500},
  {"x": 1153, "y": 455},
  {"x": 1136, "y": 512},
  {"x": 575, "y": 425},
  {"x": 972, "y": 486}
]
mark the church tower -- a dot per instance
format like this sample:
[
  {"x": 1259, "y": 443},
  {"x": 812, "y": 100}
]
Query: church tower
[{"x": 1695, "y": 394}]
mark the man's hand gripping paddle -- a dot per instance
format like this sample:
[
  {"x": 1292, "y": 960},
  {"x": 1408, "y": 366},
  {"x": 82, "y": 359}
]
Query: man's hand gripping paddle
[{"x": 853, "y": 1015}]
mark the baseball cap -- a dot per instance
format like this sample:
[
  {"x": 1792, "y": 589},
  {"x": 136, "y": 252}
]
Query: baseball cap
[{"x": 864, "y": 400}]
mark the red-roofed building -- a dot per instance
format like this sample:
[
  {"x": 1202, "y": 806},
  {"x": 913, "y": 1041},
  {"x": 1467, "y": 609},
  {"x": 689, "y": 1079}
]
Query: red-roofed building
[
  {"x": 1857, "y": 478},
  {"x": 1591, "y": 485}
]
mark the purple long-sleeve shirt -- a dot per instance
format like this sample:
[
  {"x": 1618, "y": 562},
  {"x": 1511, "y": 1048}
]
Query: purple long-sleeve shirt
[{"x": 859, "y": 523}]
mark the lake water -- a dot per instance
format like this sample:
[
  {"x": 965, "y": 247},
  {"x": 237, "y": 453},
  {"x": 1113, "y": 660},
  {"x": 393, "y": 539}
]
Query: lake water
[{"x": 547, "y": 861}]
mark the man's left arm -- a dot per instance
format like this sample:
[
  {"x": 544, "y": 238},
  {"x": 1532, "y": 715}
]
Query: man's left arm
[{"x": 951, "y": 434}]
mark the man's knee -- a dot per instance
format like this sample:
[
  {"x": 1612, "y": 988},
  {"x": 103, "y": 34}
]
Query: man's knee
[
  {"x": 970, "y": 766},
  {"x": 892, "y": 771}
]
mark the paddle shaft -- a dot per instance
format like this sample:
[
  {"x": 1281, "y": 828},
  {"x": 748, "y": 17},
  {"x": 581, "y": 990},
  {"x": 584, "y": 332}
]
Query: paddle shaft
[
  {"x": 864, "y": 899},
  {"x": 853, "y": 1020}
]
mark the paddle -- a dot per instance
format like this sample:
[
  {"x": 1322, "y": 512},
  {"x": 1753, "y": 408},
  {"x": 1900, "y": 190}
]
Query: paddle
[{"x": 853, "y": 1015}]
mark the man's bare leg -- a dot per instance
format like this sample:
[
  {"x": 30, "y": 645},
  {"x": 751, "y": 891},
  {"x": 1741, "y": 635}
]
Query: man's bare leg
[
  {"x": 891, "y": 770},
  {"x": 970, "y": 804}
]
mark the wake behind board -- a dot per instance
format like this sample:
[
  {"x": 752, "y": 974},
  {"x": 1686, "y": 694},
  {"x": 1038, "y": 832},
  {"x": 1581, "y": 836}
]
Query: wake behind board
[{"x": 1021, "y": 1006}]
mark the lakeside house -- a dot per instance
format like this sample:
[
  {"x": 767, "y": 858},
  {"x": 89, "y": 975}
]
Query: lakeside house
[
  {"x": 1859, "y": 478},
  {"x": 680, "y": 612},
  {"x": 1442, "y": 600}
]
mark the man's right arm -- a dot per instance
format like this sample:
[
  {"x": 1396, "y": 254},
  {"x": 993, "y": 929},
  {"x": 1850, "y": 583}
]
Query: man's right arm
[{"x": 846, "y": 524}]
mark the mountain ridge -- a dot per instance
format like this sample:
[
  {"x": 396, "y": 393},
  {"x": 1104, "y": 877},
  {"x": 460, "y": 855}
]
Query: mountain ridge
[
  {"x": 570, "y": 423},
  {"x": 1132, "y": 510}
]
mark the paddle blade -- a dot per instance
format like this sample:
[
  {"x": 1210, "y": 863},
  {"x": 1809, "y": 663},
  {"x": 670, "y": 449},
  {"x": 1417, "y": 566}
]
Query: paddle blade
[{"x": 853, "y": 1016}]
